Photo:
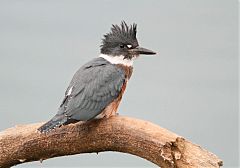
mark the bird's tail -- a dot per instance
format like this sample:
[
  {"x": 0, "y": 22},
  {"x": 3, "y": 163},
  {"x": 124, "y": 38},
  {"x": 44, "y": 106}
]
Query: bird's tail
[{"x": 56, "y": 121}]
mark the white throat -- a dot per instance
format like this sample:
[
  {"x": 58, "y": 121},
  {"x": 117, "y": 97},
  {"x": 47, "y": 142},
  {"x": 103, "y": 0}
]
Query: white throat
[{"x": 117, "y": 59}]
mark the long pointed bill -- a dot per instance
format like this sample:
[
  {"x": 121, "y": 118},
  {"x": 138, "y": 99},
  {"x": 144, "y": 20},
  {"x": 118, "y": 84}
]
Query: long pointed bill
[{"x": 140, "y": 50}]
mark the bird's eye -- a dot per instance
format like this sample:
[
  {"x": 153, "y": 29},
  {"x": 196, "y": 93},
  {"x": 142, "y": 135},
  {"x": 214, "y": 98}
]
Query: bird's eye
[{"x": 121, "y": 46}]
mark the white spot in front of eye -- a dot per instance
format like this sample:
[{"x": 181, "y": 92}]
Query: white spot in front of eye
[{"x": 129, "y": 46}]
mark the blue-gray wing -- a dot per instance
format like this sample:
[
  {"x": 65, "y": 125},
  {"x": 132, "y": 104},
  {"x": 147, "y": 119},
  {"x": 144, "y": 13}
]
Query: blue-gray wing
[{"x": 92, "y": 88}]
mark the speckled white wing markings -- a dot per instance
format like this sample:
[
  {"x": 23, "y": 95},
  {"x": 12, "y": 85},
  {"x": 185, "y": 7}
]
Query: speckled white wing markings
[{"x": 69, "y": 91}]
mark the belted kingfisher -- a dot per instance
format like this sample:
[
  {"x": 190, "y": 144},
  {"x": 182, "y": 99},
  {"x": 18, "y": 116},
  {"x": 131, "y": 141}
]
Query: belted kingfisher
[{"x": 97, "y": 87}]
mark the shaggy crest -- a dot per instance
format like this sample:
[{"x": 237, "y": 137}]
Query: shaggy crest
[{"x": 120, "y": 34}]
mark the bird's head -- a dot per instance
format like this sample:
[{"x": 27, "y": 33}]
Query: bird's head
[{"x": 122, "y": 42}]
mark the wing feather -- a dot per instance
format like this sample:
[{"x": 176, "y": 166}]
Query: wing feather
[{"x": 94, "y": 86}]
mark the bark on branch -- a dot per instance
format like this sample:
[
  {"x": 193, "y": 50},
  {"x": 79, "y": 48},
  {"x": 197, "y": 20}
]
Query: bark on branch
[{"x": 166, "y": 149}]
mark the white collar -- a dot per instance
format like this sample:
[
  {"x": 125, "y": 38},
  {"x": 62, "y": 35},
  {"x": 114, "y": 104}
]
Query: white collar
[{"x": 117, "y": 59}]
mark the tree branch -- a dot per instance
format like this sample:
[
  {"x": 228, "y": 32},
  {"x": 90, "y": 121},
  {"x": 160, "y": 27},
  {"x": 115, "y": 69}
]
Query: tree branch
[{"x": 25, "y": 144}]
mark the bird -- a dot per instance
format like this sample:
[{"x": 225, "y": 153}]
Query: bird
[{"x": 96, "y": 89}]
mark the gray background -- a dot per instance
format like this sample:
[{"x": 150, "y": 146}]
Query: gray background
[{"x": 190, "y": 87}]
